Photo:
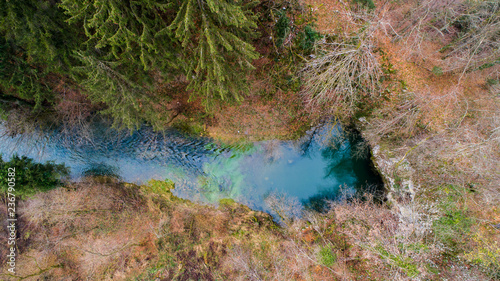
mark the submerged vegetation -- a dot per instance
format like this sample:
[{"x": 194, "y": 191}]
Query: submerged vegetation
[{"x": 419, "y": 79}]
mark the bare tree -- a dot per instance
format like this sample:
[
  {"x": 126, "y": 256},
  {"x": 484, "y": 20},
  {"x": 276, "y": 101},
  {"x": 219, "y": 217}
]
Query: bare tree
[{"x": 343, "y": 72}]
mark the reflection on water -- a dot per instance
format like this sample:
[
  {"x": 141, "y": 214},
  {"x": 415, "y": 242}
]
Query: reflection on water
[{"x": 310, "y": 169}]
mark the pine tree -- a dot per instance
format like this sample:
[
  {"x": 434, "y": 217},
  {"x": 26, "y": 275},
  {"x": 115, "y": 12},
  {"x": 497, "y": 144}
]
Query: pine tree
[
  {"x": 126, "y": 41},
  {"x": 206, "y": 40},
  {"x": 35, "y": 41},
  {"x": 38, "y": 29},
  {"x": 19, "y": 78},
  {"x": 217, "y": 55},
  {"x": 105, "y": 84},
  {"x": 125, "y": 31}
]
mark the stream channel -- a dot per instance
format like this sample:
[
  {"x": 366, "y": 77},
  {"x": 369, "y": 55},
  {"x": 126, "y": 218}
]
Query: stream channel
[{"x": 321, "y": 165}]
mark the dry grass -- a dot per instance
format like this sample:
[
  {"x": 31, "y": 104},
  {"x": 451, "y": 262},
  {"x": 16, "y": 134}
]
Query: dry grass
[
  {"x": 392, "y": 238},
  {"x": 467, "y": 31},
  {"x": 256, "y": 119},
  {"x": 82, "y": 232},
  {"x": 104, "y": 230}
]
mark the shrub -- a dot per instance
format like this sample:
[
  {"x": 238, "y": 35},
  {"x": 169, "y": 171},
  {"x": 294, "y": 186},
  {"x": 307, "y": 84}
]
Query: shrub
[
  {"x": 438, "y": 71},
  {"x": 344, "y": 71},
  {"x": 364, "y": 3},
  {"x": 453, "y": 227},
  {"x": 478, "y": 42},
  {"x": 31, "y": 177},
  {"x": 474, "y": 27},
  {"x": 282, "y": 29},
  {"x": 327, "y": 257},
  {"x": 307, "y": 38}
]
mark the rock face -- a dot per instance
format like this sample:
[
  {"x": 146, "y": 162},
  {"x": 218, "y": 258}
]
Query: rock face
[
  {"x": 396, "y": 173},
  {"x": 398, "y": 177}
]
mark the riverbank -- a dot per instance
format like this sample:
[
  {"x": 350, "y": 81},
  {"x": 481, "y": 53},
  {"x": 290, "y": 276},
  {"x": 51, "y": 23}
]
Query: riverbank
[{"x": 103, "y": 229}]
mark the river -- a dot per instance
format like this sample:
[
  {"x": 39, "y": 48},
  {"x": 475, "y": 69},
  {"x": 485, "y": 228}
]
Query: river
[{"x": 321, "y": 165}]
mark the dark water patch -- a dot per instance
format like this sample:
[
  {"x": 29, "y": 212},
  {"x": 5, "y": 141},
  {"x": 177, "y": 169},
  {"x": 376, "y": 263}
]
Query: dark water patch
[
  {"x": 100, "y": 170},
  {"x": 346, "y": 156}
]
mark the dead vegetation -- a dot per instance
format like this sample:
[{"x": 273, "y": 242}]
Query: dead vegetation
[
  {"x": 80, "y": 232},
  {"x": 105, "y": 230},
  {"x": 343, "y": 72},
  {"x": 345, "y": 67},
  {"x": 435, "y": 119},
  {"x": 467, "y": 31}
]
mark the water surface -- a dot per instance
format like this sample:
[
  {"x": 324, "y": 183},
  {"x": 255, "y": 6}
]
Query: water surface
[{"x": 311, "y": 169}]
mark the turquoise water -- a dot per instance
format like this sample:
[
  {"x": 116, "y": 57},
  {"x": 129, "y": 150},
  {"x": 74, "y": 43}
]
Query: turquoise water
[{"x": 310, "y": 170}]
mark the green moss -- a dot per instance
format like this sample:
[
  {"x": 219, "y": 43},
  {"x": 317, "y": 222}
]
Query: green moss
[
  {"x": 227, "y": 202},
  {"x": 438, "y": 71},
  {"x": 454, "y": 226},
  {"x": 162, "y": 188},
  {"x": 326, "y": 256},
  {"x": 364, "y": 3},
  {"x": 406, "y": 264},
  {"x": 189, "y": 127}
]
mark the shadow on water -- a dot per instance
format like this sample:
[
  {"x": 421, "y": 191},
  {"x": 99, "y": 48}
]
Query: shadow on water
[
  {"x": 101, "y": 169},
  {"x": 348, "y": 160},
  {"x": 311, "y": 169}
]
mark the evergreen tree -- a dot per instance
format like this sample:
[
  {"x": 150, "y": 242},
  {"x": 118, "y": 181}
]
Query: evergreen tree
[
  {"x": 19, "y": 78},
  {"x": 126, "y": 41},
  {"x": 35, "y": 41},
  {"x": 105, "y": 84},
  {"x": 120, "y": 44},
  {"x": 31, "y": 177},
  {"x": 215, "y": 36},
  {"x": 131, "y": 32},
  {"x": 38, "y": 27}
]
